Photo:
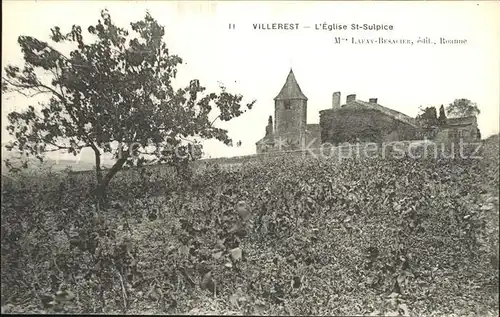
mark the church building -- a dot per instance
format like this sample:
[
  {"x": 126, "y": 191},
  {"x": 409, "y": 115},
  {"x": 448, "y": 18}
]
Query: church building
[
  {"x": 352, "y": 122},
  {"x": 290, "y": 129}
]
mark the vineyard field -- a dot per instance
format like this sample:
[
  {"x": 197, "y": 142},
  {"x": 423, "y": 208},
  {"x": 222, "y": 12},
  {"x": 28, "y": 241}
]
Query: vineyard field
[{"x": 282, "y": 236}]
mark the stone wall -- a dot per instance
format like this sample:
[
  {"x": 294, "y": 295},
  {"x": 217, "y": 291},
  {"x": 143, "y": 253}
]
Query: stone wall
[
  {"x": 313, "y": 136},
  {"x": 455, "y": 134},
  {"x": 290, "y": 121},
  {"x": 363, "y": 125}
]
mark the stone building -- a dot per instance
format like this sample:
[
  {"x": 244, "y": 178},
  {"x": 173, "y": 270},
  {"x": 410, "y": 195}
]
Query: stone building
[
  {"x": 456, "y": 129},
  {"x": 290, "y": 130},
  {"x": 361, "y": 121},
  {"x": 354, "y": 121}
]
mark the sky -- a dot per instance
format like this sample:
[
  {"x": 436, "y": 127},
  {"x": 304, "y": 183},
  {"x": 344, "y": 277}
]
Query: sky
[{"x": 256, "y": 63}]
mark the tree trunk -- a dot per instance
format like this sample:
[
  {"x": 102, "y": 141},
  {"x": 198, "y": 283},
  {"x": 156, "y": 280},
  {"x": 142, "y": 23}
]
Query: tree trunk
[
  {"x": 103, "y": 184},
  {"x": 98, "y": 170},
  {"x": 98, "y": 174}
]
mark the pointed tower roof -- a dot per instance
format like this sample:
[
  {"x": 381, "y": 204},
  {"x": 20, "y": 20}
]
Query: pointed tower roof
[{"x": 291, "y": 89}]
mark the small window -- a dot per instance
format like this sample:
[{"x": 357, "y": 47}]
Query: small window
[{"x": 288, "y": 105}]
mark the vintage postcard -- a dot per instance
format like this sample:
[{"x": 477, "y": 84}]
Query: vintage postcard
[{"x": 250, "y": 157}]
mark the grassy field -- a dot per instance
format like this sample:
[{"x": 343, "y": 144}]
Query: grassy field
[{"x": 286, "y": 235}]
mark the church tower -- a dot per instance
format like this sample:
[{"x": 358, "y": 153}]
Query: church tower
[{"x": 290, "y": 111}]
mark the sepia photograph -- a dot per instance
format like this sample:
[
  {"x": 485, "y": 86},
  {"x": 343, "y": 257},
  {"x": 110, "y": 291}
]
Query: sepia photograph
[{"x": 291, "y": 158}]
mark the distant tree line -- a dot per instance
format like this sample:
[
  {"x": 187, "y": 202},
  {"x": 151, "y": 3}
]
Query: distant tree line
[{"x": 428, "y": 117}]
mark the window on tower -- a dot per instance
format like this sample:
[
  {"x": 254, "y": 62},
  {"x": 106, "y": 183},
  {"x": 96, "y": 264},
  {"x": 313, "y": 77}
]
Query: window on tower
[{"x": 288, "y": 105}]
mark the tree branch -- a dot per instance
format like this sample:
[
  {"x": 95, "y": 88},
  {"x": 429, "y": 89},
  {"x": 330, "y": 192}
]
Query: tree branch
[{"x": 214, "y": 120}]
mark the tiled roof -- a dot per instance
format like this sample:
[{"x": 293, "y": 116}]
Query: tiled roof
[
  {"x": 291, "y": 89},
  {"x": 461, "y": 121},
  {"x": 390, "y": 112},
  {"x": 266, "y": 140}
]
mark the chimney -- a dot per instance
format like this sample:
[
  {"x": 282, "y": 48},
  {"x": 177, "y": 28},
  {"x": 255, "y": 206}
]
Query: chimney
[
  {"x": 336, "y": 100},
  {"x": 350, "y": 98},
  {"x": 373, "y": 100}
]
